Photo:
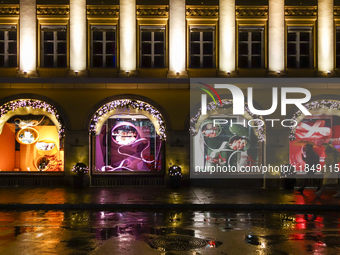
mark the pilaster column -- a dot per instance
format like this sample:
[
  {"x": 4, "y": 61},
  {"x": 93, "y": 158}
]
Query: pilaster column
[
  {"x": 227, "y": 31},
  {"x": 28, "y": 38},
  {"x": 78, "y": 37},
  {"x": 325, "y": 28},
  {"x": 276, "y": 37},
  {"x": 128, "y": 46},
  {"x": 177, "y": 39}
]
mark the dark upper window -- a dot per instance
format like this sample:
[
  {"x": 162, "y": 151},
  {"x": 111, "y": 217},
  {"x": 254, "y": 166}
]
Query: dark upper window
[
  {"x": 337, "y": 47},
  {"x": 8, "y": 46},
  {"x": 152, "y": 47},
  {"x": 202, "y": 47},
  {"x": 103, "y": 46},
  {"x": 250, "y": 47}
]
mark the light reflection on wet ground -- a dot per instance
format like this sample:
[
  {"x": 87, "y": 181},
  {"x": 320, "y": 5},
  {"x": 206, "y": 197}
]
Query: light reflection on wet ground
[{"x": 169, "y": 232}]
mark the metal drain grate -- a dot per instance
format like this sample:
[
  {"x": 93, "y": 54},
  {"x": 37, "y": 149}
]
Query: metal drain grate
[{"x": 178, "y": 243}]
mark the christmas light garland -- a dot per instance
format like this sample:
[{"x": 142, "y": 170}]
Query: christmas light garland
[
  {"x": 34, "y": 104},
  {"x": 258, "y": 121},
  {"x": 319, "y": 104},
  {"x": 126, "y": 103}
]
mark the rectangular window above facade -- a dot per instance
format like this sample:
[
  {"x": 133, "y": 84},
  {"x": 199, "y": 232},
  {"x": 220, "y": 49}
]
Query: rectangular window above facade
[
  {"x": 337, "y": 47},
  {"x": 152, "y": 47},
  {"x": 299, "y": 47},
  {"x": 251, "y": 47},
  {"x": 53, "y": 46},
  {"x": 202, "y": 47},
  {"x": 8, "y": 46},
  {"x": 103, "y": 46}
]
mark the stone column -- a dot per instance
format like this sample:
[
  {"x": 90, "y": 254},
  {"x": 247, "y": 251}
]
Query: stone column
[
  {"x": 227, "y": 43},
  {"x": 28, "y": 38},
  {"x": 276, "y": 37},
  {"x": 177, "y": 39},
  {"x": 325, "y": 32},
  {"x": 128, "y": 46},
  {"x": 78, "y": 37}
]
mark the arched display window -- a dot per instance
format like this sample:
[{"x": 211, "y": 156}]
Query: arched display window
[
  {"x": 221, "y": 139},
  {"x": 128, "y": 137},
  {"x": 31, "y": 137},
  {"x": 322, "y": 127}
]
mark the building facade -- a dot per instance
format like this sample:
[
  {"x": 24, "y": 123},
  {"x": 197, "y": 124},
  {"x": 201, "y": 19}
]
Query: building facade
[{"x": 109, "y": 84}]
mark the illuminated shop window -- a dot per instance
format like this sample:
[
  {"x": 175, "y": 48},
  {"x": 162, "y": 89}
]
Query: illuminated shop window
[
  {"x": 225, "y": 144},
  {"x": 299, "y": 47},
  {"x": 128, "y": 144},
  {"x": 8, "y": 46},
  {"x": 337, "y": 47},
  {"x": 53, "y": 46},
  {"x": 30, "y": 143},
  {"x": 250, "y": 47},
  {"x": 103, "y": 46},
  {"x": 152, "y": 47},
  {"x": 202, "y": 47}
]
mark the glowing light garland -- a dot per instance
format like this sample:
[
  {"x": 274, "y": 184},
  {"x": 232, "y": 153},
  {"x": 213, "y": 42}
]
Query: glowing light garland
[
  {"x": 319, "y": 104},
  {"x": 226, "y": 103},
  {"x": 34, "y": 104},
  {"x": 126, "y": 103}
]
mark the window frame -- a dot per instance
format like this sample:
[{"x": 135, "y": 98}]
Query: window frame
[{"x": 6, "y": 41}]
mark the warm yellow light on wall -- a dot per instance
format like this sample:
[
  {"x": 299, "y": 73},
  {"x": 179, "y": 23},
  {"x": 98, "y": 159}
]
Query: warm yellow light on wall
[
  {"x": 325, "y": 35},
  {"x": 78, "y": 35},
  {"x": 177, "y": 40},
  {"x": 28, "y": 36},
  {"x": 127, "y": 19}
]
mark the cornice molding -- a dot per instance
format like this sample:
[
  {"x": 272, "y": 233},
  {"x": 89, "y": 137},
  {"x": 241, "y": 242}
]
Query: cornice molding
[
  {"x": 162, "y": 11},
  {"x": 103, "y": 10},
  {"x": 251, "y": 11},
  {"x": 53, "y": 10},
  {"x": 301, "y": 11},
  {"x": 202, "y": 11},
  {"x": 9, "y": 10}
]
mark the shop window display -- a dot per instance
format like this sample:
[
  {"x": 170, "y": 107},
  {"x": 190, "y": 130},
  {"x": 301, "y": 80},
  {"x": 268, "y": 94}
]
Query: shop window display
[
  {"x": 223, "y": 144},
  {"x": 128, "y": 144},
  {"x": 30, "y": 143}
]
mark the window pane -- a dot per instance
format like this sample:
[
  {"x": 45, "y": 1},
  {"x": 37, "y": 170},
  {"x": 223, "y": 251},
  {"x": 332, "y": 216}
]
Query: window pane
[
  {"x": 207, "y": 36},
  {"x": 48, "y": 61},
  {"x": 195, "y": 48},
  {"x": 2, "y": 35},
  {"x": 110, "y": 48},
  {"x": 338, "y": 48},
  {"x": 110, "y": 36},
  {"x": 291, "y": 37},
  {"x": 97, "y": 35},
  {"x": 256, "y": 48},
  {"x": 195, "y": 62},
  {"x": 61, "y": 48},
  {"x": 61, "y": 61},
  {"x": 146, "y": 36},
  {"x": 338, "y": 61},
  {"x": 159, "y": 62},
  {"x": 2, "y": 47},
  {"x": 12, "y": 61},
  {"x": 110, "y": 61},
  {"x": 97, "y": 61},
  {"x": 208, "y": 62},
  {"x": 97, "y": 48},
  {"x": 207, "y": 48},
  {"x": 61, "y": 35},
  {"x": 304, "y": 48},
  {"x": 12, "y": 35},
  {"x": 256, "y": 36},
  {"x": 256, "y": 62},
  {"x": 337, "y": 36},
  {"x": 194, "y": 36},
  {"x": 243, "y": 36},
  {"x": 2, "y": 59},
  {"x": 159, "y": 36},
  {"x": 291, "y": 62},
  {"x": 159, "y": 48},
  {"x": 304, "y": 36},
  {"x": 291, "y": 50},
  {"x": 304, "y": 62},
  {"x": 243, "y": 62},
  {"x": 243, "y": 48},
  {"x": 48, "y": 35},
  {"x": 146, "y": 61},
  {"x": 146, "y": 48},
  {"x": 48, "y": 48},
  {"x": 12, "y": 47}
]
